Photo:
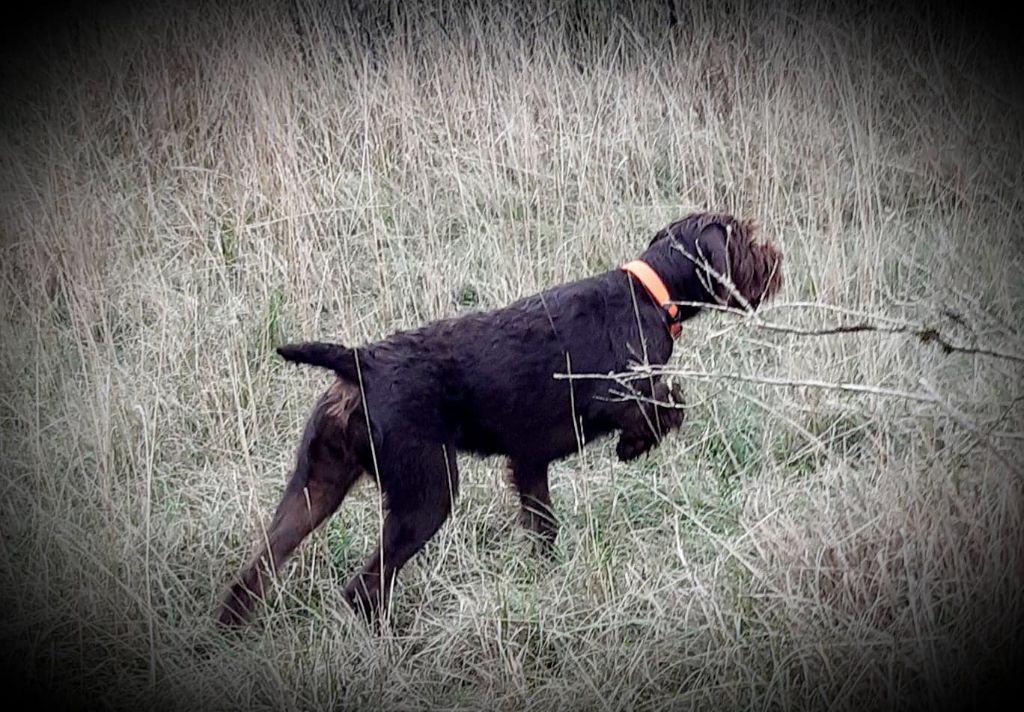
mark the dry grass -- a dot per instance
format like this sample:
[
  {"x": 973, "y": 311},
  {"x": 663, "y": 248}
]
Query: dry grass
[{"x": 181, "y": 191}]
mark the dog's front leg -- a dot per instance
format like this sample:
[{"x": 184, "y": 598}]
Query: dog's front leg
[
  {"x": 645, "y": 422},
  {"x": 536, "y": 514}
]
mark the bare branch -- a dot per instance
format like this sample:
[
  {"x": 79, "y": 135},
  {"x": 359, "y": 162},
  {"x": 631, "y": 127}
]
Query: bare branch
[
  {"x": 646, "y": 372},
  {"x": 964, "y": 422},
  {"x": 925, "y": 334}
]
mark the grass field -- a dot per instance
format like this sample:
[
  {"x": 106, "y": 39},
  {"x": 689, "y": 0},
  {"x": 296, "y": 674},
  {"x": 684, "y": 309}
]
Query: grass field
[{"x": 840, "y": 522}]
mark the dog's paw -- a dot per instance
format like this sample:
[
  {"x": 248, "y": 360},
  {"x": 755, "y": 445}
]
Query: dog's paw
[
  {"x": 669, "y": 393},
  {"x": 363, "y": 597},
  {"x": 542, "y": 529},
  {"x": 670, "y": 417},
  {"x": 632, "y": 446},
  {"x": 228, "y": 617},
  {"x": 233, "y": 611},
  {"x": 676, "y": 394}
]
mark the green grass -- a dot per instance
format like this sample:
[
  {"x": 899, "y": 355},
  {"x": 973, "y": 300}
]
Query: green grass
[{"x": 186, "y": 191}]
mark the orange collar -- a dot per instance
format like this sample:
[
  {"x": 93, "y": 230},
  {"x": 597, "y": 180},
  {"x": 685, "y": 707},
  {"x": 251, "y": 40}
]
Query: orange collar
[{"x": 659, "y": 293}]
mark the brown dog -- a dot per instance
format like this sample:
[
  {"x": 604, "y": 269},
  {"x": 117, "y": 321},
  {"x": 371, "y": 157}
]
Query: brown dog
[{"x": 402, "y": 407}]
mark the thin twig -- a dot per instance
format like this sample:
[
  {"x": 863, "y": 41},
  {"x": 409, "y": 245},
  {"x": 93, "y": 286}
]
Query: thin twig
[
  {"x": 925, "y": 334},
  {"x": 965, "y": 423},
  {"x": 642, "y": 372}
]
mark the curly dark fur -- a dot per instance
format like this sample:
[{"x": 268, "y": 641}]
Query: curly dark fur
[{"x": 484, "y": 383}]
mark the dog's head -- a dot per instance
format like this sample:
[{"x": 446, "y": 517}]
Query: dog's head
[{"x": 713, "y": 258}]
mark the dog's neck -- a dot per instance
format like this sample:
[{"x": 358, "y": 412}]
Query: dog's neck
[
  {"x": 679, "y": 276},
  {"x": 657, "y": 290}
]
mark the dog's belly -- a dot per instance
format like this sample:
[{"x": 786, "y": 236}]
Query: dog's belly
[
  {"x": 541, "y": 439},
  {"x": 480, "y": 441}
]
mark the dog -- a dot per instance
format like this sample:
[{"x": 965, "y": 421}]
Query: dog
[{"x": 401, "y": 408}]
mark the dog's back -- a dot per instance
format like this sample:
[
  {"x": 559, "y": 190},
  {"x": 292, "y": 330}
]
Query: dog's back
[{"x": 486, "y": 380}]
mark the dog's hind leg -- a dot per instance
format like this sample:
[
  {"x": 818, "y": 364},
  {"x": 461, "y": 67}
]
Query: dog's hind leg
[
  {"x": 535, "y": 511},
  {"x": 423, "y": 485},
  {"x": 324, "y": 472}
]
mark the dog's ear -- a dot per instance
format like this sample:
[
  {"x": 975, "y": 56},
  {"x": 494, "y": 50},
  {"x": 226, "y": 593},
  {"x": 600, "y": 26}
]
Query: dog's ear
[
  {"x": 710, "y": 248},
  {"x": 712, "y": 236},
  {"x": 755, "y": 268}
]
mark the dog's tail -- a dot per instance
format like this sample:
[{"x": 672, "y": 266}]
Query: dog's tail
[{"x": 335, "y": 357}]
